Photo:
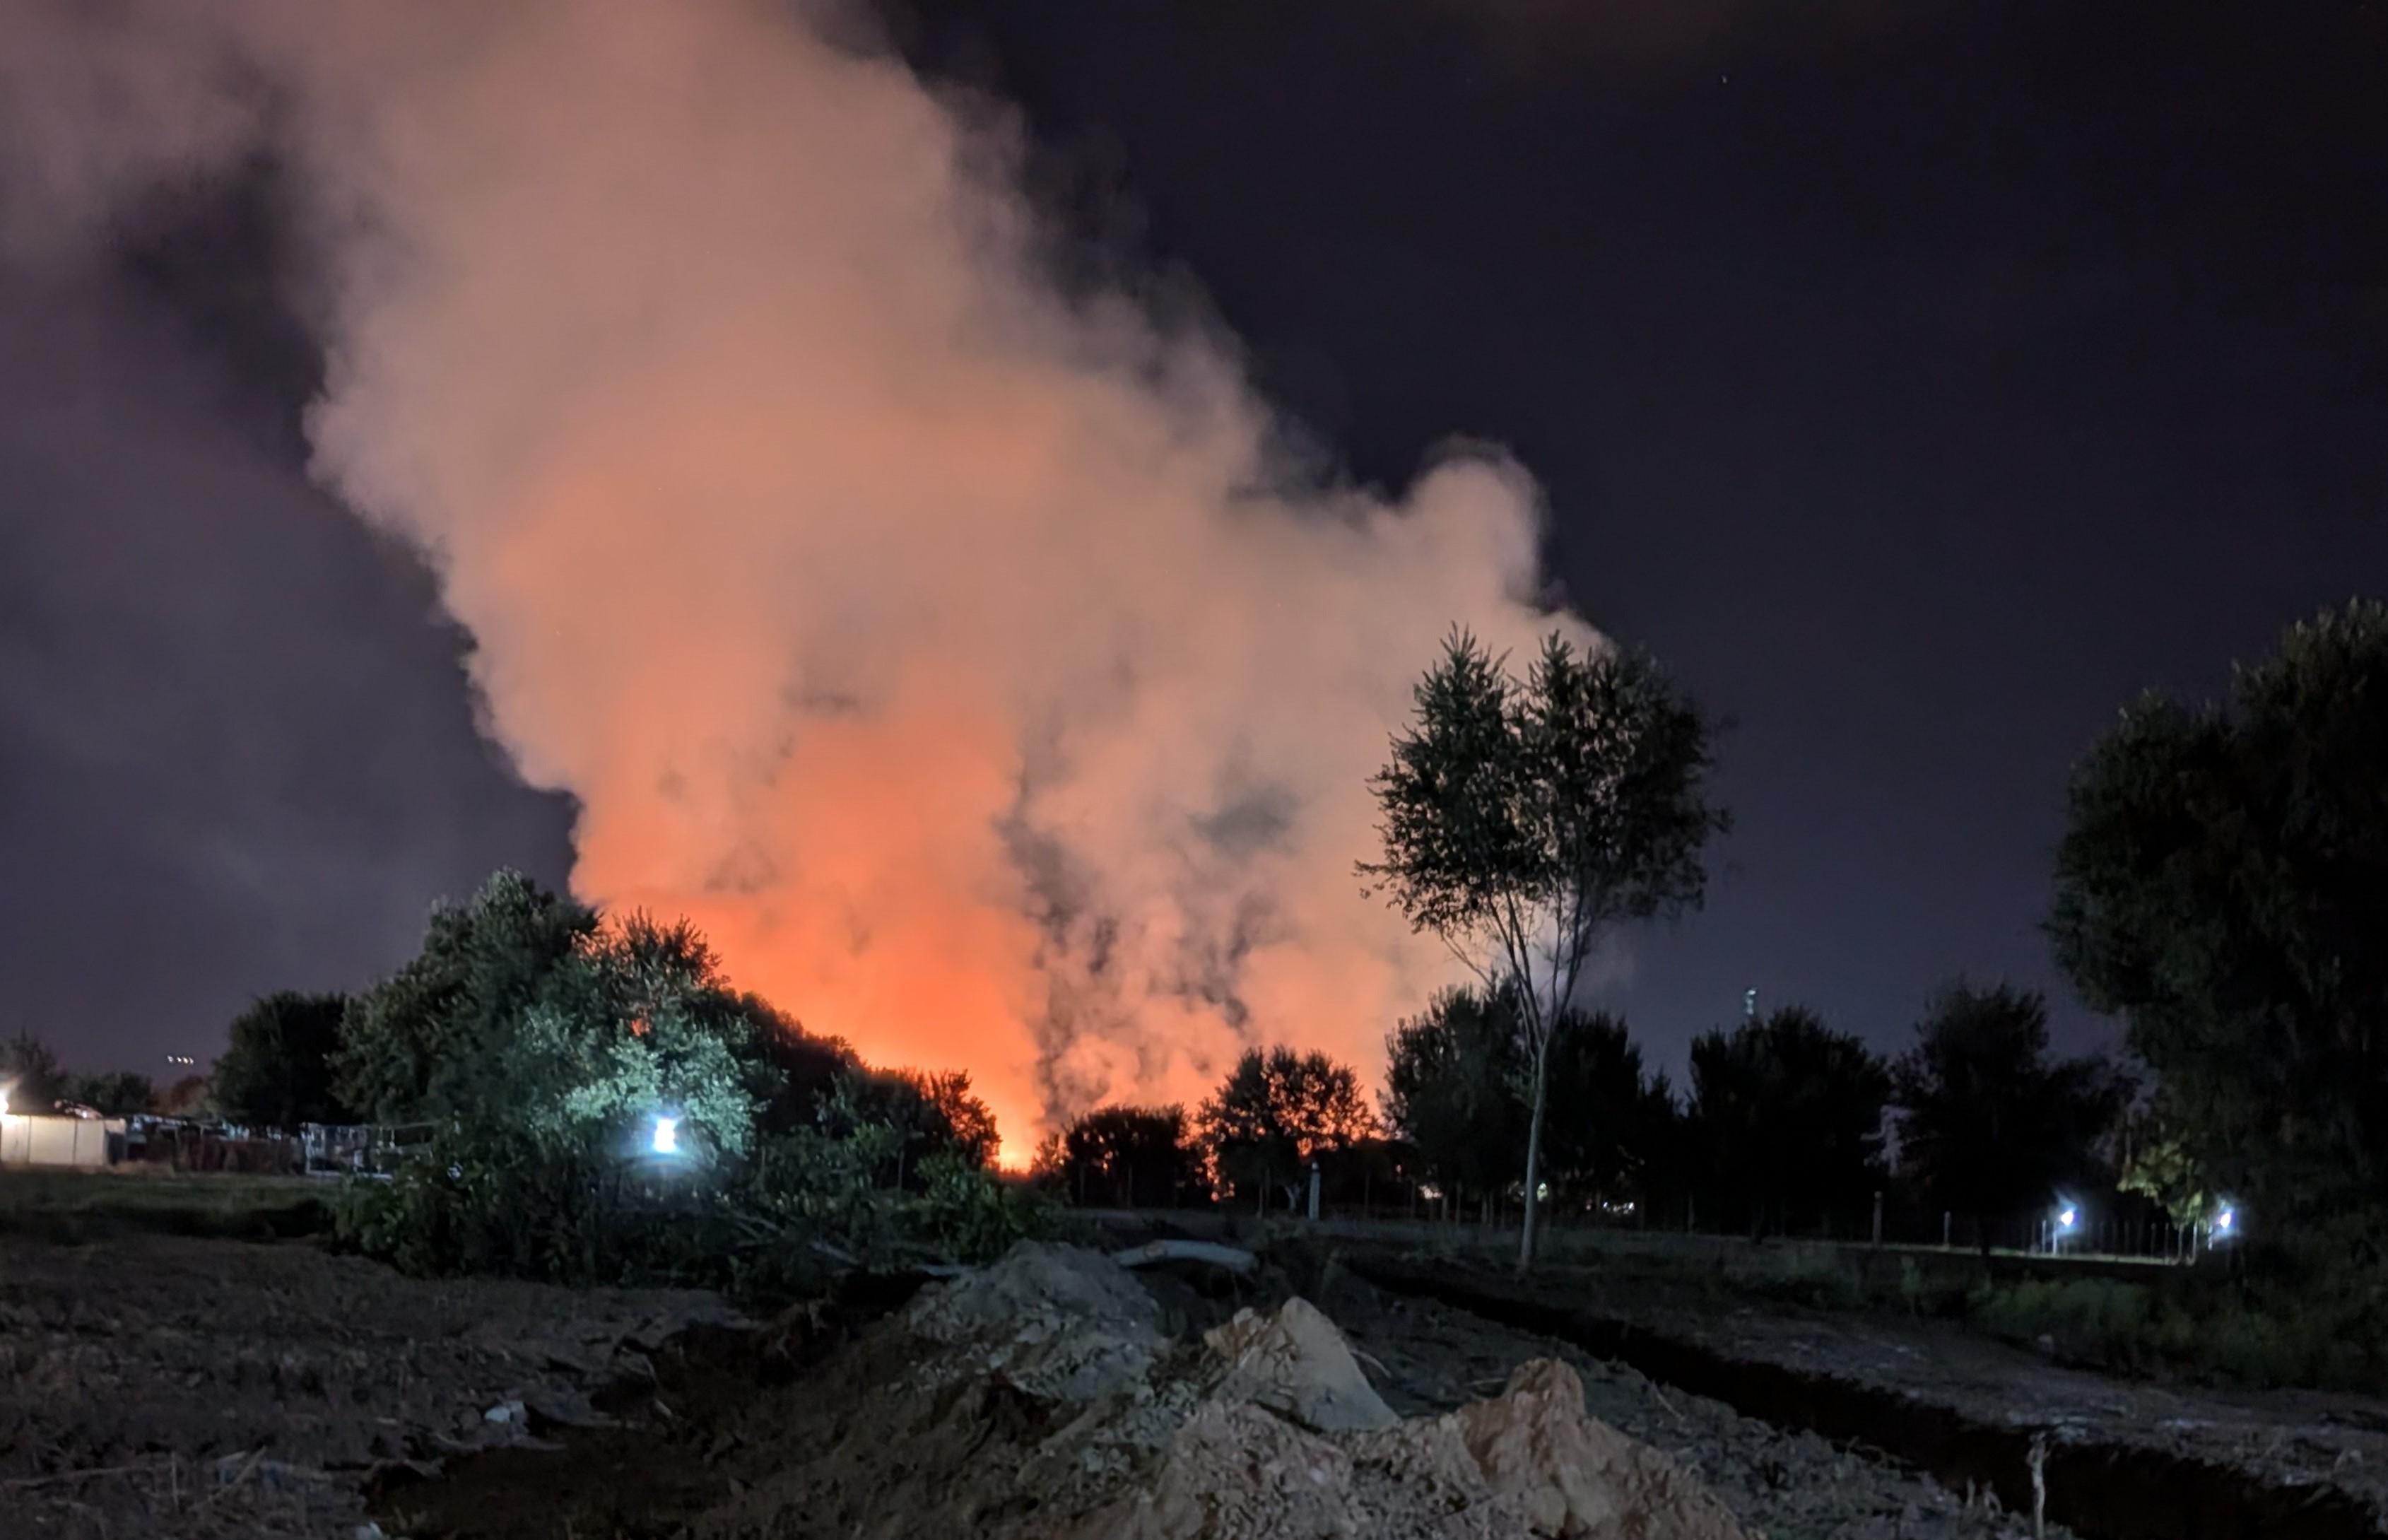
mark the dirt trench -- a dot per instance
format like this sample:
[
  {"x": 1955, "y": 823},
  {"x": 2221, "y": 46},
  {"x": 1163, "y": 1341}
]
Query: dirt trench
[
  {"x": 2103, "y": 1488},
  {"x": 845, "y": 1426}
]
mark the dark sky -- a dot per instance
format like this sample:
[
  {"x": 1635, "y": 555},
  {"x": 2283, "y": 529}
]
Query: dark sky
[{"x": 1918, "y": 380}]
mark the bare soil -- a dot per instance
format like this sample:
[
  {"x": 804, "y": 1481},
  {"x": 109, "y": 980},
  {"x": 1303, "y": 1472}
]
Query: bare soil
[
  {"x": 2282, "y": 1452},
  {"x": 165, "y": 1385},
  {"x": 172, "y": 1386}
]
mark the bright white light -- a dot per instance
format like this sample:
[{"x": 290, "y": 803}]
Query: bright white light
[
  {"x": 2064, "y": 1220},
  {"x": 2222, "y": 1220},
  {"x": 666, "y": 1139},
  {"x": 4, "y": 1102}
]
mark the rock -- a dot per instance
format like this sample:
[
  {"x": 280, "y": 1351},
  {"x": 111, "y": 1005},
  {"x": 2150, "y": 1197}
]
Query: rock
[{"x": 1296, "y": 1363}]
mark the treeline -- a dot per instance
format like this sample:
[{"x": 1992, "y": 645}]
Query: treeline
[
  {"x": 2220, "y": 884},
  {"x": 1786, "y": 1126},
  {"x": 590, "y": 1099}
]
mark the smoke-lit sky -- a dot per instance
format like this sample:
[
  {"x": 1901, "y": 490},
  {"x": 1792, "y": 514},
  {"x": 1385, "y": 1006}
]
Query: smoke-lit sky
[{"x": 1920, "y": 381}]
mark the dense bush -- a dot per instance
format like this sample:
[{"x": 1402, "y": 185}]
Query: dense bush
[{"x": 547, "y": 1052}]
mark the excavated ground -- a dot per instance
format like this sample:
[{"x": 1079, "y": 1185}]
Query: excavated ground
[
  {"x": 158, "y": 1386},
  {"x": 2121, "y": 1459},
  {"x": 881, "y": 1431}
]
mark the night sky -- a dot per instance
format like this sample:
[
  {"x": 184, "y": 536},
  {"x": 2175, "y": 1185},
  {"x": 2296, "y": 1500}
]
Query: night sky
[{"x": 1919, "y": 381}]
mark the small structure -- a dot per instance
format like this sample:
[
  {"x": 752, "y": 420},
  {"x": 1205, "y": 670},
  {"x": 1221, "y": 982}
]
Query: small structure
[{"x": 74, "y": 1143}]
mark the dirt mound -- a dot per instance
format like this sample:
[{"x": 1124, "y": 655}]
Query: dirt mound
[
  {"x": 1057, "y": 1321},
  {"x": 1039, "y": 1399},
  {"x": 1269, "y": 1431},
  {"x": 1293, "y": 1362},
  {"x": 1528, "y": 1463},
  {"x": 1576, "y": 1477}
]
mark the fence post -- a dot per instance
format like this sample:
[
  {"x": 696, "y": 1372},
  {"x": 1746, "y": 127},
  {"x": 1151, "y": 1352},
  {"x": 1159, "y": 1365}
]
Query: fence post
[{"x": 1947, "y": 1218}]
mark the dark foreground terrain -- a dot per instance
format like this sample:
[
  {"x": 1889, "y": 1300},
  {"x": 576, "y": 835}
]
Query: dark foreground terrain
[{"x": 154, "y": 1385}]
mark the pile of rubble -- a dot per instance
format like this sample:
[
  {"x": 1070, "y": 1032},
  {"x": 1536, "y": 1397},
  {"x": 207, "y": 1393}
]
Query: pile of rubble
[{"x": 1265, "y": 1429}]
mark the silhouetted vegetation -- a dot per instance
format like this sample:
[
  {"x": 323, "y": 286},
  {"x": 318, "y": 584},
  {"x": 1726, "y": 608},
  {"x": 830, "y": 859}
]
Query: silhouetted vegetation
[
  {"x": 2222, "y": 885},
  {"x": 1127, "y": 1156},
  {"x": 604, "y": 1105},
  {"x": 1457, "y": 1091},
  {"x": 1278, "y": 1111},
  {"x": 1987, "y": 1126},
  {"x": 30, "y": 1075},
  {"x": 113, "y": 1093},
  {"x": 277, "y": 1072},
  {"x": 1786, "y": 1115}
]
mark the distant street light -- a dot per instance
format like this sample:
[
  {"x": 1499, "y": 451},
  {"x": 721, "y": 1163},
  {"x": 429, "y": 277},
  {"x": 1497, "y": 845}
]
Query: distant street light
[{"x": 666, "y": 1137}]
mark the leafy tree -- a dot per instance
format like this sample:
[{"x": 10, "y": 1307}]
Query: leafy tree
[
  {"x": 929, "y": 1115},
  {"x": 545, "y": 1048},
  {"x": 2158, "y": 1166},
  {"x": 808, "y": 1067},
  {"x": 277, "y": 1071},
  {"x": 1277, "y": 1111},
  {"x": 1134, "y": 1157},
  {"x": 1987, "y": 1123},
  {"x": 114, "y": 1093},
  {"x": 1521, "y": 820},
  {"x": 420, "y": 1044},
  {"x": 29, "y": 1074},
  {"x": 635, "y": 1023},
  {"x": 1452, "y": 1080},
  {"x": 1787, "y": 1115},
  {"x": 2222, "y": 883},
  {"x": 187, "y": 1097}
]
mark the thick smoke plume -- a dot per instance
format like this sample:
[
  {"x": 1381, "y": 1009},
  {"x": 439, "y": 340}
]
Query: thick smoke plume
[{"x": 949, "y": 647}]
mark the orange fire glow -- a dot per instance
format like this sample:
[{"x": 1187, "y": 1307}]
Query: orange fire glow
[{"x": 959, "y": 654}]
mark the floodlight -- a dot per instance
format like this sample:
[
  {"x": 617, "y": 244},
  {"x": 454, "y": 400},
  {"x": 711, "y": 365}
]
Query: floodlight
[
  {"x": 667, "y": 1136},
  {"x": 2065, "y": 1220},
  {"x": 2223, "y": 1221}
]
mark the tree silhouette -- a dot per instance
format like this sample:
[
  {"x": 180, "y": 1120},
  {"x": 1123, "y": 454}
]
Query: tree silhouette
[
  {"x": 1988, "y": 1126},
  {"x": 1134, "y": 1157},
  {"x": 277, "y": 1071},
  {"x": 1451, "y": 1082},
  {"x": 1522, "y": 819},
  {"x": 2223, "y": 884},
  {"x": 1788, "y": 1118},
  {"x": 1277, "y": 1111}
]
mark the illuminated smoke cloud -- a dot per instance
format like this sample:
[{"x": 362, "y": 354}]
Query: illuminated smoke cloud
[{"x": 950, "y": 650}]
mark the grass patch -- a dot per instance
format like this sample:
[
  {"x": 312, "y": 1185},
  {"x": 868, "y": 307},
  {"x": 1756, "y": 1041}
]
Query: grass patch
[
  {"x": 2213, "y": 1328},
  {"x": 88, "y": 1205}
]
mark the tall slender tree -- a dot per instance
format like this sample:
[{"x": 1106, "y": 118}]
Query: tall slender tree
[{"x": 1522, "y": 819}]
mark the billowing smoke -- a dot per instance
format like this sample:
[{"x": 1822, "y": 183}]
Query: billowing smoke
[{"x": 949, "y": 646}]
